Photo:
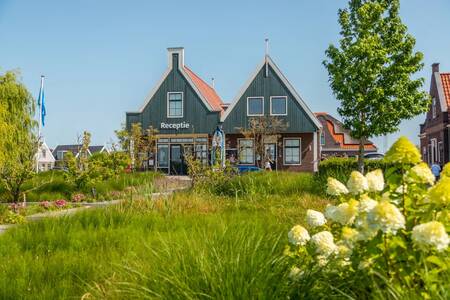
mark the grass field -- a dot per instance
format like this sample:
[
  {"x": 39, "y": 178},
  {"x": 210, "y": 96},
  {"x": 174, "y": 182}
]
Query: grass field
[{"x": 187, "y": 246}]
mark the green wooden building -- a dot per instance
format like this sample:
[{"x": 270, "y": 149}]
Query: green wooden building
[{"x": 187, "y": 111}]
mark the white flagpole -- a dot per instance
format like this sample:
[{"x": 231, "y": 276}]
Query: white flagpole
[{"x": 40, "y": 121}]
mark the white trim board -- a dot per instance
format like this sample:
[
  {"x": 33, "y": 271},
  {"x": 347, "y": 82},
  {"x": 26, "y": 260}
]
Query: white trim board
[
  {"x": 283, "y": 79},
  {"x": 440, "y": 89}
]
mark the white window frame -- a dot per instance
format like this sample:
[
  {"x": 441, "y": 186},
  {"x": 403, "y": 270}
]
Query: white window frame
[
  {"x": 255, "y": 115},
  {"x": 434, "y": 150},
  {"x": 285, "y": 103},
  {"x": 239, "y": 152},
  {"x": 440, "y": 145},
  {"x": 299, "y": 152},
  {"x": 322, "y": 135},
  {"x": 182, "y": 105},
  {"x": 433, "y": 108}
]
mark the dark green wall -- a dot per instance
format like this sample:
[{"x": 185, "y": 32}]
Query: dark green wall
[
  {"x": 195, "y": 112},
  {"x": 297, "y": 118}
]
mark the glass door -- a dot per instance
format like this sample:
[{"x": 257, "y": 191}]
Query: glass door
[
  {"x": 270, "y": 151},
  {"x": 176, "y": 160},
  {"x": 163, "y": 158}
]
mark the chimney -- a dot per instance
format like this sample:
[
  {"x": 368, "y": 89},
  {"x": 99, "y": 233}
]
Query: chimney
[
  {"x": 176, "y": 57},
  {"x": 435, "y": 68},
  {"x": 213, "y": 81}
]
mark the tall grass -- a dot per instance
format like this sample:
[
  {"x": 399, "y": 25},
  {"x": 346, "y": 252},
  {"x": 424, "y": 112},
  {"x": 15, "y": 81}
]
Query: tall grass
[
  {"x": 51, "y": 185},
  {"x": 268, "y": 183}
]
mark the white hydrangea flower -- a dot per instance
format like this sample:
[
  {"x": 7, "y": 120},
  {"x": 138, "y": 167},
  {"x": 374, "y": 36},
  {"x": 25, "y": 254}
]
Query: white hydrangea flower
[
  {"x": 349, "y": 235},
  {"x": 344, "y": 213},
  {"x": 324, "y": 243},
  {"x": 357, "y": 183},
  {"x": 366, "y": 204},
  {"x": 375, "y": 181},
  {"x": 430, "y": 234},
  {"x": 420, "y": 173},
  {"x": 315, "y": 218},
  {"x": 402, "y": 189},
  {"x": 387, "y": 217},
  {"x": 322, "y": 260},
  {"x": 295, "y": 273},
  {"x": 335, "y": 187},
  {"x": 366, "y": 231},
  {"x": 298, "y": 235}
]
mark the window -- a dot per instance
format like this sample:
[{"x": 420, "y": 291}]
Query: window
[
  {"x": 255, "y": 106},
  {"x": 278, "y": 106},
  {"x": 60, "y": 154},
  {"x": 433, "y": 108},
  {"x": 292, "y": 152},
  {"x": 434, "y": 152},
  {"x": 322, "y": 138},
  {"x": 246, "y": 152},
  {"x": 44, "y": 153},
  {"x": 440, "y": 155},
  {"x": 163, "y": 156},
  {"x": 175, "y": 105},
  {"x": 424, "y": 154}
]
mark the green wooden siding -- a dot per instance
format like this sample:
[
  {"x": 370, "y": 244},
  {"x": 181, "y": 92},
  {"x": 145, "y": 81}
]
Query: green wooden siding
[
  {"x": 272, "y": 85},
  {"x": 200, "y": 119}
]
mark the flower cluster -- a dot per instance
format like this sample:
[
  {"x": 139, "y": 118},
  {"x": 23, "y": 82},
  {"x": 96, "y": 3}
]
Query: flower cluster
[
  {"x": 45, "y": 204},
  {"x": 377, "y": 223},
  {"x": 60, "y": 203},
  {"x": 78, "y": 197}
]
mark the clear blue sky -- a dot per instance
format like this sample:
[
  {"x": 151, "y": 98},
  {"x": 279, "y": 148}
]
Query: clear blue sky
[{"x": 101, "y": 58}]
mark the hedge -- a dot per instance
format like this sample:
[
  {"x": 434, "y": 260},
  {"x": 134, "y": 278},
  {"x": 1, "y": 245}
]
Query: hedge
[{"x": 340, "y": 168}]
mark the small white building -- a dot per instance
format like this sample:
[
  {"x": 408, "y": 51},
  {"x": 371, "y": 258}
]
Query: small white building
[{"x": 45, "y": 158}]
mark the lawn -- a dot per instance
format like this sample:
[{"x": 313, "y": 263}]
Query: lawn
[{"x": 190, "y": 245}]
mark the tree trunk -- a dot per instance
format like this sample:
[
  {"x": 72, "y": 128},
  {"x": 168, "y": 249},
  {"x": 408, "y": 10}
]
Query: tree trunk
[{"x": 361, "y": 156}]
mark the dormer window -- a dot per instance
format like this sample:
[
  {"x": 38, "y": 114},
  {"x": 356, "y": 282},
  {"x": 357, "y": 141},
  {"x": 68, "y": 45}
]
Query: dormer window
[
  {"x": 278, "y": 106},
  {"x": 255, "y": 106},
  {"x": 175, "y": 105},
  {"x": 433, "y": 108}
]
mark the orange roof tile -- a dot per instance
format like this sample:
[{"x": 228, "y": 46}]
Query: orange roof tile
[
  {"x": 445, "y": 79},
  {"x": 339, "y": 137},
  {"x": 207, "y": 91}
]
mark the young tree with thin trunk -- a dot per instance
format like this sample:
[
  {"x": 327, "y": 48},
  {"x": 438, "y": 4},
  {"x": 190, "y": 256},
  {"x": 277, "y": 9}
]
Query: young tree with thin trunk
[
  {"x": 19, "y": 142},
  {"x": 261, "y": 130},
  {"x": 371, "y": 70}
]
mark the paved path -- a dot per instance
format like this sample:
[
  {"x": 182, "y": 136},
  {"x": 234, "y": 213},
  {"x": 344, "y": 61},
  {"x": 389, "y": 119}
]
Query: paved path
[{"x": 86, "y": 205}]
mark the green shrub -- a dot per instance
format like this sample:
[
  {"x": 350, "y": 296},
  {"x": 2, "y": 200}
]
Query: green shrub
[
  {"x": 267, "y": 183},
  {"x": 340, "y": 168}
]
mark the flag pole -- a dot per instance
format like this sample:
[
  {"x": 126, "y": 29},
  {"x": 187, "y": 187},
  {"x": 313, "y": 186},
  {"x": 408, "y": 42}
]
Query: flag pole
[{"x": 40, "y": 121}]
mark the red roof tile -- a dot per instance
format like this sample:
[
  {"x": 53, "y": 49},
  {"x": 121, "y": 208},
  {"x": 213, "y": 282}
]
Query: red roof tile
[
  {"x": 339, "y": 137},
  {"x": 207, "y": 91},
  {"x": 445, "y": 79}
]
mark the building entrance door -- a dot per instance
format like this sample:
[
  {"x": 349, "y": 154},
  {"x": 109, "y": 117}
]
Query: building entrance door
[
  {"x": 176, "y": 159},
  {"x": 271, "y": 153}
]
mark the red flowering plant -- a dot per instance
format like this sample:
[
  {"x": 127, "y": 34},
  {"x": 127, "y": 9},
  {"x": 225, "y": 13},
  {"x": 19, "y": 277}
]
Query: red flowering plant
[
  {"x": 80, "y": 197},
  {"x": 60, "y": 203},
  {"x": 45, "y": 204}
]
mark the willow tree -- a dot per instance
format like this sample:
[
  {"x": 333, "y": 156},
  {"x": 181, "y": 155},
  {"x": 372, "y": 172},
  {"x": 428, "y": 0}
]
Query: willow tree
[
  {"x": 371, "y": 70},
  {"x": 18, "y": 142}
]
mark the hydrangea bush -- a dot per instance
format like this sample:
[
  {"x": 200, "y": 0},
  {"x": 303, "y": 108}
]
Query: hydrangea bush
[{"x": 392, "y": 226}]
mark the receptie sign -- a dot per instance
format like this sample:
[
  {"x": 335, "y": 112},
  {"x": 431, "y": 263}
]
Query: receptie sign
[{"x": 176, "y": 126}]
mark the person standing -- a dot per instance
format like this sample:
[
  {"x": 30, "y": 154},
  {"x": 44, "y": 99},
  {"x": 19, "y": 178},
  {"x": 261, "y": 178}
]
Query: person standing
[{"x": 436, "y": 170}]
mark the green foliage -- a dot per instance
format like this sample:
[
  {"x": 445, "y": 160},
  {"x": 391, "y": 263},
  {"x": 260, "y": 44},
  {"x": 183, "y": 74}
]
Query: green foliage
[
  {"x": 19, "y": 143},
  {"x": 340, "y": 168},
  {"x": 370, "y": 71},
  {"x": 388, "y": 229},
  {"x": 177, "y": 247}
]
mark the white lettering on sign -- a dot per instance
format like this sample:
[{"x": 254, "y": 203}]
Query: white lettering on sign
[{"x": 175, "y": 126}]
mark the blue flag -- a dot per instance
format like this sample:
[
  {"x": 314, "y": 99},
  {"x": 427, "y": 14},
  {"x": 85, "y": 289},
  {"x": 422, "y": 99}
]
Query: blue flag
[{"x": 41, "y": 102}]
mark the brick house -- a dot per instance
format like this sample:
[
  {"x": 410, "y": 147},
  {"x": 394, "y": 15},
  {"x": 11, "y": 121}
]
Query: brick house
[
  {"x": 335, "y": 140},
  {"x": 434, "y": 132}
]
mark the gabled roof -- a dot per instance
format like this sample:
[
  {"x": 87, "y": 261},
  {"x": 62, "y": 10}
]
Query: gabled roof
[
  {"x": 340, "y": 135},
  {"x": 206, "y": 90},
  {"x": 267, "y": 59},
  {"x": 76, "y": 148},
  {"x": 445, "y": 80}
]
